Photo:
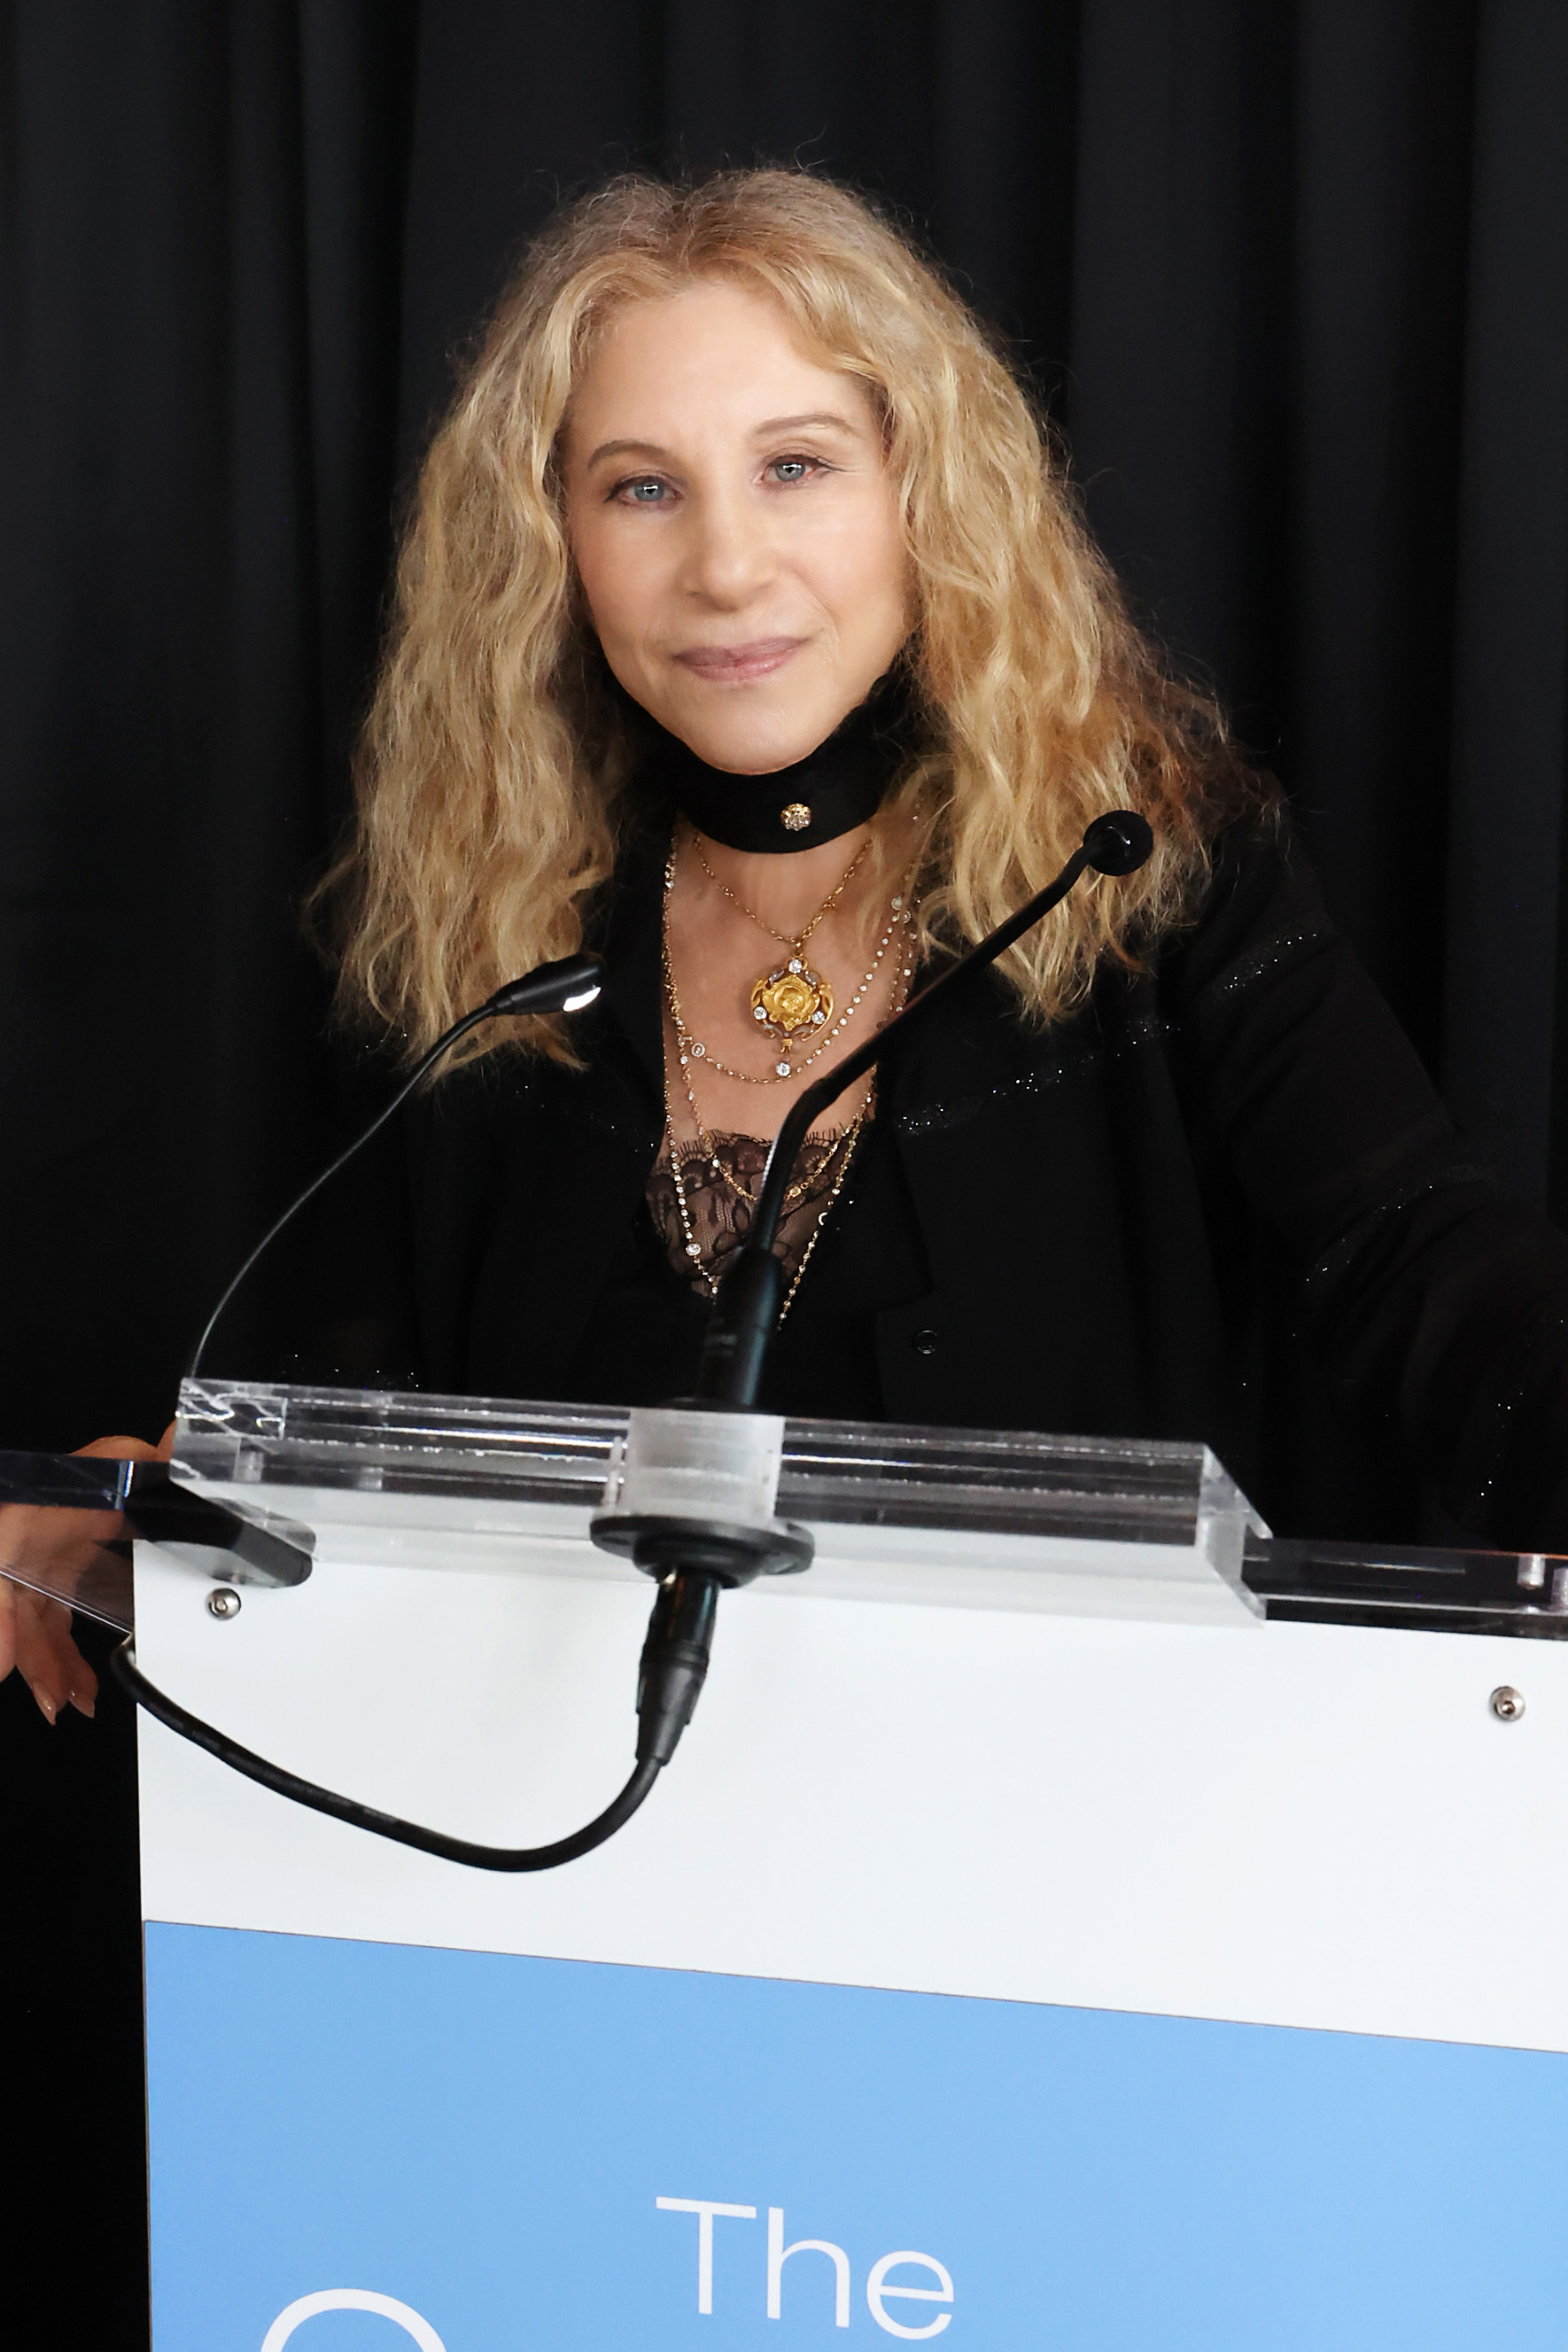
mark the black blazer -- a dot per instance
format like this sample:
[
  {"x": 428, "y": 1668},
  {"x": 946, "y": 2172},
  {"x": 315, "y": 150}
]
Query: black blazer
[{"x": 1221, "y": 1201}]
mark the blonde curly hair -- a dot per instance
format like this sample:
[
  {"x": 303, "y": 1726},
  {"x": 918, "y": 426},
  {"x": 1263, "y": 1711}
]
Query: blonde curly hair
[{"x": 494, "y": 767}]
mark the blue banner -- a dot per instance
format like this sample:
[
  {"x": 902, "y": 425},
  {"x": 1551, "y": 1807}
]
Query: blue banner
[{"x": 360, "y": 2147}]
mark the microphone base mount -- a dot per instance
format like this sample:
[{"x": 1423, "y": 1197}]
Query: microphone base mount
[{"x": 729, "y": 1551}]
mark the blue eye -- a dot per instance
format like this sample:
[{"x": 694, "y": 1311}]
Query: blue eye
[
  {"x": 791, "y": 469},
  {"x": 637, "y": 490}
]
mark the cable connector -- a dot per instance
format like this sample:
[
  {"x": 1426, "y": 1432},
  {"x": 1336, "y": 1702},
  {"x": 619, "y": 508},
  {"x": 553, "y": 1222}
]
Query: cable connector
[{"x": 674, "y": 1663}]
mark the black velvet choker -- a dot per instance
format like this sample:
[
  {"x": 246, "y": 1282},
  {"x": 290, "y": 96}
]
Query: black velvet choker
[{"x": 834, "y": 788}]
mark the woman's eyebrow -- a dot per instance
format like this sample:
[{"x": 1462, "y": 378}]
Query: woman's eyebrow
[
  {"x": 627, "y": 449},
  {"x": 798, "y": 423},
  {"x": 770, "y": 425}
]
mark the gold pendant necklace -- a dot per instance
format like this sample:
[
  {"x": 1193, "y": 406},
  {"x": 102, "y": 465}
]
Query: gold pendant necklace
[
  {"x": 690, "y": 1048},
  {"x": 793, "y": 998}
]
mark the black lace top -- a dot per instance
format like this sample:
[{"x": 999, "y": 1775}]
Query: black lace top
[{"x": 720, "y": 1186}]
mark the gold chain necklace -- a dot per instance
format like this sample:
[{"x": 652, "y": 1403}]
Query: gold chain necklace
[
  {"x": 815, "y": 1020},
  {"x": 795, "y": 940},
  {"x": 793, "y": 996}
]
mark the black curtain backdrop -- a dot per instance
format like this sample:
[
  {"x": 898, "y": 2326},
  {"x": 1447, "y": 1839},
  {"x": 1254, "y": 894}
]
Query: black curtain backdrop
[{"x": 1294, "y": 282}]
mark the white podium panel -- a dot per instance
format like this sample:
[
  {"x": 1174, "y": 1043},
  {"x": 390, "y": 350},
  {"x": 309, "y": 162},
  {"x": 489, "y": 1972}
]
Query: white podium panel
[{"x": 1311, "y": 1825}]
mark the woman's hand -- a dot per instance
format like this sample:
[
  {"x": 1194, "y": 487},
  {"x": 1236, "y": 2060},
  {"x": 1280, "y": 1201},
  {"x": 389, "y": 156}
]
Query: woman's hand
[{"x": 35, "y": 1632}]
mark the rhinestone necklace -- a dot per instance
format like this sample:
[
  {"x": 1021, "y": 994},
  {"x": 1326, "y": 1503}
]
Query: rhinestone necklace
[
  {"x": 708, "y": 1149},
  {"x": 794, "y": 976}
]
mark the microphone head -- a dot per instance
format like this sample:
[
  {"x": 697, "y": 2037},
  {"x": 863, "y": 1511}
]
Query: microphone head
[
  {"x": 562, "y": 987},
  {"x": 1119, "y": 842}
]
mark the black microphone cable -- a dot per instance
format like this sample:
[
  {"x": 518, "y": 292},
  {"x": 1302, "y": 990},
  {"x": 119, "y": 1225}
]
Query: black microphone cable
[
  {"x": 673, "y": 1669},
  {"x": 174, "y": 1717}
]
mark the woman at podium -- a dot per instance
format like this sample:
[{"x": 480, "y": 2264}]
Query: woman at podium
[{"x": 747, "y": 632}]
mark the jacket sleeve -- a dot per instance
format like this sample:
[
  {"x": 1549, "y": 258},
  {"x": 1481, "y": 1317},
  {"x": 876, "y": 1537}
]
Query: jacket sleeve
[{"x": 1437, "y": 1308}]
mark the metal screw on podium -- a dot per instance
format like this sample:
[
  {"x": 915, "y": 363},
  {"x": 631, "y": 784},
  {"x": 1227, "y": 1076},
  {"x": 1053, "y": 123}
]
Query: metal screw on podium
[
  {"x": 224, "y": 1601},
  {"x": 1507, "y": 1704}
]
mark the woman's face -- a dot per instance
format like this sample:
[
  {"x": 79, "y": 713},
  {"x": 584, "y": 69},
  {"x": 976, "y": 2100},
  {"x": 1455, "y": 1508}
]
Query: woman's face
[{"x": 734, "y": 526}]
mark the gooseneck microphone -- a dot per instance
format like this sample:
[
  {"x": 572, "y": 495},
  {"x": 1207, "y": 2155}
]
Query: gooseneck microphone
[
  {"x": 745, "y": 1312},
  {"x": 564, "y": 986}
]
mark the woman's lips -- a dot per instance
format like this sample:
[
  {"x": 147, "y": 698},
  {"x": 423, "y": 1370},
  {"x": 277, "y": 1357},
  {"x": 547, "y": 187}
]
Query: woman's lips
[{"x": 733, "y": 664}]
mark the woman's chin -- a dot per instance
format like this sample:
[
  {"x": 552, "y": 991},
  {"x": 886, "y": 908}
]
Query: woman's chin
[{"x": 753, "y": 739}]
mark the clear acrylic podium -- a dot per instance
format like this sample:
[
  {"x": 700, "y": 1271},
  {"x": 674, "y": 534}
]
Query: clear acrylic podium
[{"x": 1069, "y": 1921}]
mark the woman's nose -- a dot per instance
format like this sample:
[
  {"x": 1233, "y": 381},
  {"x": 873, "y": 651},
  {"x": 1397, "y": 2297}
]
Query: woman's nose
[{"x": 728, "y": 553}]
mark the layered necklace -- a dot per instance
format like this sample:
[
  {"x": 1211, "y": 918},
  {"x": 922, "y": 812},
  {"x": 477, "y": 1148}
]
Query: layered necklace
[{"x": 784, "y": 1002}]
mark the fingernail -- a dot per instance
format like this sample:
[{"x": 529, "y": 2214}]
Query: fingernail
[
  {"x": 45, "y": 1703},
  {"x": 82, "y": 1705}
]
